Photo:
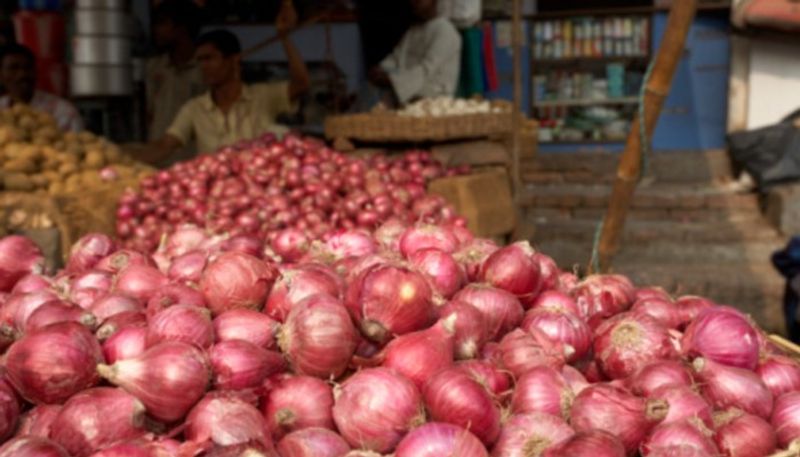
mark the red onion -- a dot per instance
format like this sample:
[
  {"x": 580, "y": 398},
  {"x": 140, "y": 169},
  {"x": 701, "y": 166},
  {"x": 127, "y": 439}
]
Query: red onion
[
  {"x": 781, "y": 374},
  {"x": 786, "y": 418},
  {"x": 59, "y": 311},
  {"x": 730, "y": 387},
  {"x": 296, "y": 403},
  {"x": 591, "y": 443},
  {"x": 445, "y": 275},
  {"x": 659, "y": 374},
  {"x": 679, "y": 435},
  {"x": 469, "y": 327},
  {"x": 522, "y": 351},
  {"x": 18, "y": 257},
  {"x": 226, "y": 421},
  {"x": 174, "y": 294},
  {"x": 84, "y": 298},
  {"x": 89, "y": 250},
  {"x": 452, "y": 396},
  {"x": 244, "y": 244},
  {"x": 690, "y": 306},
  {"x": 168, "y": 378},
  {"x": 125, "y": 344},
  {"x": 684, "y": 403},
  {"x": 350, "y": 243},
  {"x": 554, "y": 300},
  {"x": 141, "y": 448},
  {"x": 437, "y": 439},
  {"x": 493, "y": 379},
  {"x": 18, "y": 308},
  {"x": 542, "y": 389},
  {"x": 238, "y": 364},
  {"x": 361, "y": 414},
  {"x": 576, "y": 380},
  {"x": 608, "y": 408},
  {"x": 604, "y": 295},
  {"x": 31, "y": 282},
  {"x": 313, "y": 442},
  {"x": 188, "y": 267},
  {"x": 646, "y": 293},
  {"x": 512, "y": 269},
  {"x": 362, "y": 453},
  {"x": 390, "y": 300},
  {"x": 501, "y": 310},
  {"x": 234, "y": 280},
  {"x": 290, "y": 244},
  {"x": 96, "y": 418},
  {"x": 628, "y": 342},
  {"x": 91, "y": 279},
  {"x": 114, "y": 304},
  {"x": 472, "y": 255},
  {"x": 140, "y": 282},
  {"x": 427, "y": 236},
  {"x": 660, "y": 309},
  {"x": 711, "y": 333},
  {"x": 298, "y": 283},
  {"x": 567, "y": 282},
  {"x": 186, "y": 238},
  {"x": 37, "y": 421},
  {"x": 185, "y": 323},
  {"x": 389, "y": 233},
  {"x": 53, "y": 363},
  {"x": 418, "y": 355},
  {"x": 32, "y": 446},
  {"x": 549, "y": 271},
  {"x": 531, "y": 435},
  {"x": 743, "y": 435},
  {"x": 561, "y": 327},
  {"x": 122, "y": 259},
  {"x": 318, "y": 337},
  {"x": 9, "y": 410},
  {"x": 120, "y": 321},
  {"x": 247, "y": 325}
]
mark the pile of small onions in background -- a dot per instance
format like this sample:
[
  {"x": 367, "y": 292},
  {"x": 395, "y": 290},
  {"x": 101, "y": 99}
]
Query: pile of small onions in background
[
  {"x": 414, "y": 341},
  {"x": 262, "y": 186}
]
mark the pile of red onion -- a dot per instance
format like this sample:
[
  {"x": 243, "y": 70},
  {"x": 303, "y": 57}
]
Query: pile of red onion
[
  {"x": 262, "y": 186},
  {"x": 413, "y": 340}
]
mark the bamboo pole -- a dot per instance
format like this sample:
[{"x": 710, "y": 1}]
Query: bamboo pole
[{"x": 657, "y": 88}]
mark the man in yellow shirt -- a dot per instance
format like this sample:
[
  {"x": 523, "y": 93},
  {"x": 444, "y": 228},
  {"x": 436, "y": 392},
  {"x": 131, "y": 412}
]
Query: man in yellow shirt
[{"x": 231, "y": 110}]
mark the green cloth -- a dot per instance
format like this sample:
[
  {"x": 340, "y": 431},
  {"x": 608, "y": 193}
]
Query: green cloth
[{"x": 470, "y": 80}]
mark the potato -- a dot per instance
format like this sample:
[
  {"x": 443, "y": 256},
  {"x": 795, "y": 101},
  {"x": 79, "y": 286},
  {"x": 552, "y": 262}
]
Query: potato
[
  {"x": 20, "y": 165},
  {"x": 94, "y": 159},
  {"x": 67, "y": 169},
  {"x": 39, "y": 180},
  {"x": 18, "y": 182},
  {"x": 56, "y": 188}
]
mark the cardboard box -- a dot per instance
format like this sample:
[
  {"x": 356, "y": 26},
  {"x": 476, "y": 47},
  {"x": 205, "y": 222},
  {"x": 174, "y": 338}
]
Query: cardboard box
[
  {"x": 484, "y": 198},
  {"x": 474, "y": 153}
]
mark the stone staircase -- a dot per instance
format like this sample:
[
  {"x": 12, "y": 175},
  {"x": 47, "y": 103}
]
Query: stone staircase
[{"x": 688, "y": 230}]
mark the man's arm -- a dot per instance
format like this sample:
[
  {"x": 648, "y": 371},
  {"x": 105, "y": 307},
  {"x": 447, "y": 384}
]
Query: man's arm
[
  {"x": 299, "y": 81},
  {"x": 154, "y": 152}
]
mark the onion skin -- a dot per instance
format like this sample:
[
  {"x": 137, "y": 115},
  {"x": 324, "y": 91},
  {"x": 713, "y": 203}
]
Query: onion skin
[
  {"x": 318, "y": 338},
  {"x": 424, "y": 236},
  {"x": 627, "y": 342},
  {"x": 781, "y": 374},
  {"x": 225, "y": 420},
  {"x": 9, "y": 410},
  {"x": 247, "y": 325},
  {"x": 169, "y": 378},
  {"x": 744, "y": 435},
  {"x": 684, "y": 404},
  {"x": 296, "y": 403},
  {"x": 361, "y": 415},
  {"x": 604, "y": 295},
  {"x": 140, "y": 282},
  {"x": 469, "y": 327},
  {"x": 419, "y": 355},
  {"x": 113, "y": 304},
  {"x": 120, "y": 321},
  {"x": 592, "y": 443},
  {"x": 786, "y": 418},
  {"x": 97, "y": 418},
  {"x": 730, "y": 387},
  {"x": 89, "y": 250},
  {"x": 56, "y": 311},
  {"x": 501, "y": 310},
  {"x": 521, "y": 351},
  {"x": 678, "y": 434},
  {"x": 452, "y": 396},
  {"x": 296, "y": 284},
  {"x": 32, "y": 446},
  {"x": 185, "y": 323},
  {"x": 238, "y": 365},
  {"x": 125, "y": 344},
  {"x": 312, "y": 442},
  {"x": 710, "y": 335},
  {"x": 445, "y": 275},
  {"x": 18, "y": 257},
  {"x": 188, "y": 268},
  {"x": 690, "y": 306},
  {"x": 660, "y": 373},
  {"x": 439, "y": 439},
  {"x": 512, "y": 269},
  {"x": 492, "y": 378},
  {"x": 561, "y": 327},
  {"x": 235, "y": 280},
  {"x": 531, "y": 434},
  {"x": 661, "y": 309},
  {"x": 54, "y": 363},
  {"x": 555, "y": 300},
  {"x": 37, "y": 421},
  {"x": 290, "y": 244},
  {"x": 542, "y": 389}
]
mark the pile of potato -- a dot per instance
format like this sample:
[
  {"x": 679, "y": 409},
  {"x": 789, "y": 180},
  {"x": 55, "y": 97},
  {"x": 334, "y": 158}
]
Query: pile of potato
[{"x": 37, "y": 156}]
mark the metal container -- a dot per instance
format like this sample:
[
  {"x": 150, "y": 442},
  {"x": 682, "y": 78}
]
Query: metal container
[
  {"x": 100, "y": 80},
  {"x": 100, "y": 4},
  {"x": 103, "y": 22},
  {"x": 101, "y": 50}
]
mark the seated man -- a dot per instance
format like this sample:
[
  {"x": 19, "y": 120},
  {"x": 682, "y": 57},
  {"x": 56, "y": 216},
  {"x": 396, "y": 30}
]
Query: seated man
[
  {"x": 18, "y": 77},
  {"x": 426, "y": 61}
]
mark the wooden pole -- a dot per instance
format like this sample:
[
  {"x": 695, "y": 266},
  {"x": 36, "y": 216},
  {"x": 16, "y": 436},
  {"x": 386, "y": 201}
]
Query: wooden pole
[
  {"x": 516, "y": 115},
  {"x": 657, "y": 88}
]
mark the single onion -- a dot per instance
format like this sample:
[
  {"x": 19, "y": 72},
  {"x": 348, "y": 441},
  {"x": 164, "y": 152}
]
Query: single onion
[
  {"x": 113, "y": 304},
  {"x": 389, "y": 300},
  {"x": 628, "y": 342},
  {"x": 452, "y": 396},
  {"x": 290, "y": 244},
  {"x": 604, "y": 295},
  {"x": 684, "y": 403},
  {"x": 418, "y": 355},
  {"x": 542, "y": 389},
  {"x": 122, "y": 259},
  {"x": 426, "y": 236},
  {"x": 781, "y": 374},
  {"x": 576, "y": 380},
  {"x": 31, "y": 282},
  {"x": 96, "y": 418},
  {"x": 32, "y": 446},
  {"x": 120, "y": 321},
  {"x": 244, "y": 244},
  {"x": 126, "y": 343},
  {"x": 549, "y": 271},
  {"x": 469, "y": 327},
  {"x": 646, "y": 293},
  {"x": 298, "y": 283},
  {"x": 247, "y": 325},
  {"x": 238, "y": 364},
  {"x": 140, "y": 282},
  {"x": 298, "y": 402},
  {"x": 743, "y": 435},
  {"x": 89, "y": 250},
  {"x": 18, "y": 308},
  {"x": 169, "y": 378},
  {"x": 591, "y": 443},
  {"x": 512, "y": 269},
  {"x": 53, "y": 363},
  {"x": 361, "y": 414},
  {"x": 56, "y": 311},
  {"x": 18, "y": 257},
  {"x": 312, "y": 442},
  {"x": 658, "y": 374},
  {"x": 492, "y": 378},
  {"x": 561, "y": 327},
  {"x": 445, "y": 275},
  {"x": 90, "y": 279},
  {"x": 436, "y": 439},
  {"x": 690, "y": 306},
  {"x": 472, "y": 255},
  {"x": 555, "y": 300},
  {"x": 501, "y": 310},
  {"x": 660, "y": 309},
  {"x": 710, "y": 335},
  {"x": 389, "y": 233},
  {"x": 37, "y": 421},
  {"x": 174, "y": 294},
  {"x": 318, "y": 337},
  {"x": 681, "y": 435},
  {"x": 185, "y": 323},
  {"x": 531, "y": 434},
  {"x": 350, "y": 243},
  {"x": 226, "y": 421},
  {"x": 608, "y": 408},
  {"x": 521, "y": 351},
  {"x": 730, "y": 387},
  {"x": 234, "y": 280},
  {"x": 188, "y": 267},
  {"x": 786, "y": 418}
]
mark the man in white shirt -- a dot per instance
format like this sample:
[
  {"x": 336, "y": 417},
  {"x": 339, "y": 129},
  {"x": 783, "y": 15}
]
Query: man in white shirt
[
  {"x": 18, "y": 77},
  {"x": 426, "y": 61}
]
